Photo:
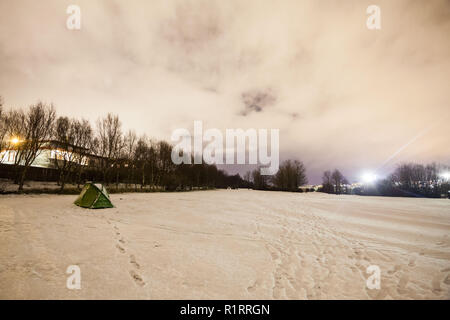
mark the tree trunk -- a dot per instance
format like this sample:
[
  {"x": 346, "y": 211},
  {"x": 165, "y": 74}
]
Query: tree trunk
[
  {"x": 17, "y": 174},
  {"x": 143, "y": 179},
  {"x": 79, "y": 179},
  {"x": 61, "y": 180},
  {"x": 22, "y": 179},
  {"x": 104, "y": 177}
]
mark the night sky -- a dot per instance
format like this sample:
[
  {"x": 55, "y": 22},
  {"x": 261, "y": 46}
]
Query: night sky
[{"x": 342, "y": 95}]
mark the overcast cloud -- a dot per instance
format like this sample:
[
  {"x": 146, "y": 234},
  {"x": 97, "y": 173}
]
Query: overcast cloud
[{"x": 342, "y": 95}]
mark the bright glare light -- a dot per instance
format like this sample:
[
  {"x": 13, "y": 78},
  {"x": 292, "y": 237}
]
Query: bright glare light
[
  {"x": 446, "y": 175},
  {"x": 15, "y": 140},
  {"x": 369, "y": 177}
]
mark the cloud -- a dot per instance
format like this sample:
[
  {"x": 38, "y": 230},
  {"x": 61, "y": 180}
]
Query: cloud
[
  {"x": 342, "y": 95},
  {"x": 257, "y": 100}
]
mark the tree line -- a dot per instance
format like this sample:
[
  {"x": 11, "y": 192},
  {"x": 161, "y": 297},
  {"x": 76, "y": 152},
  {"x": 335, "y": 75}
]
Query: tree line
[
  {"x": 333, "y": 182},
  {"x": 123, "y": 158},
  {"x": 117, "y": 157},
  {"x": 407, "y": 179},
  {"x": 413, "y": 180},
  {"x": 289, "y": 177}
]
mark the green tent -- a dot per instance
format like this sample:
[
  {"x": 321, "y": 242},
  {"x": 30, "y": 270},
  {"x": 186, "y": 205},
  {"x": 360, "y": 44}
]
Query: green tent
[{"x": 94, "y": 196}]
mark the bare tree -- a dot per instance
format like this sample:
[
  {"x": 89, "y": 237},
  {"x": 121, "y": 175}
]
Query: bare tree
[
  {"x": 260, "y": 181},
  {"x": 248, "y": 177},
  {"x": 412, "y": 175},
  {"x": 164, "y": 164},
  {"x": 83, "y": 140},
  {"x": 152, "y": 161},
  {"x": 327, "y": 184},
  {"x": 12, "y": 128},
  {"x": 130, "y": 146},
  {"x": 35, "y": 128},
  {"x": 405, "y": 176},
  {"x": 290, "y": 176},
  {"x": 140, "y": 159},
  {"x": 110, "y": 143},
  {"x": 432, "y": 172},
  {"x": 338, "y": 179},
  {"x": 66, "y": 151}
]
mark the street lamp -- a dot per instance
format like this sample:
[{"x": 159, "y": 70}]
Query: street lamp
[
  {"x": 15, "y": 140},
  {"x": 369, "y": 177},
  {"x": 446, "y": 175}
]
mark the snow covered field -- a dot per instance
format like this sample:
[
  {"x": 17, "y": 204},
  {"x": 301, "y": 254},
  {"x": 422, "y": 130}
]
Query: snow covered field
[{"x": 227, "y": 244}]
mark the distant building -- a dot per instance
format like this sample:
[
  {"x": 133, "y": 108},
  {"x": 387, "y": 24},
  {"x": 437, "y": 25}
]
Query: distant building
[
  {"x": 50, "y": 153},
  {"x": 309, "y": 187}
]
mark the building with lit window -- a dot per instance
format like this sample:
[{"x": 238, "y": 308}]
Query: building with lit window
[{"x": 50, "y": 154}]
